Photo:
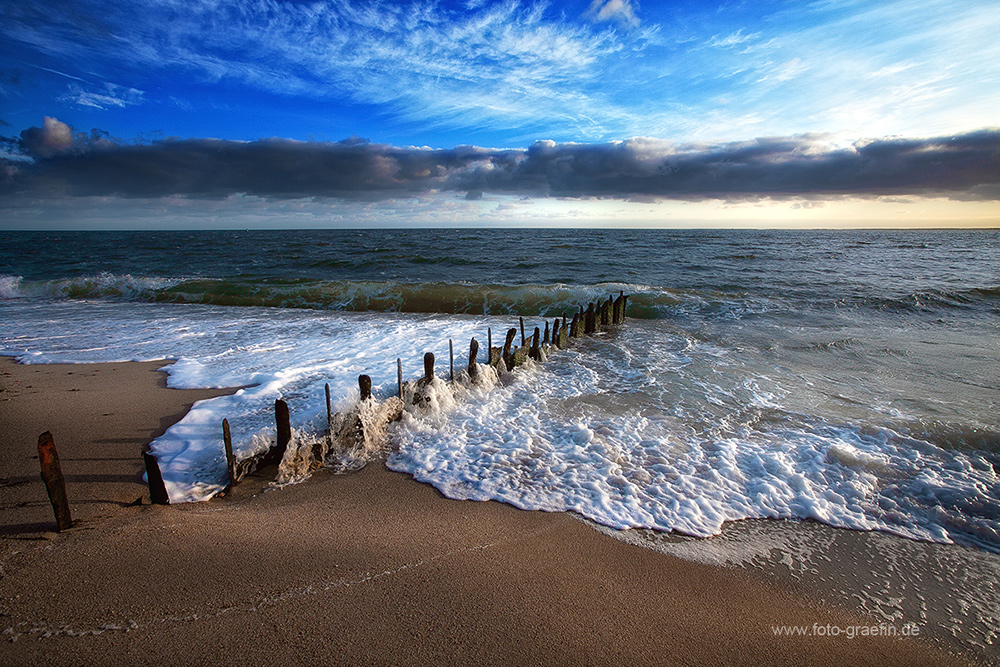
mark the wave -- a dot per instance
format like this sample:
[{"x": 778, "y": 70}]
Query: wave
[
  {"x": 548, "y": 300},
  {"x": 938, "y": 299},
  {"x": 363, "y": 296}
]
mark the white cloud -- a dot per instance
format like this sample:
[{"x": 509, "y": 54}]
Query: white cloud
[
  {"x": 619, "y": 11},
  {"x": 104, "y": 97},
  {"x": 733, "y": 39}
]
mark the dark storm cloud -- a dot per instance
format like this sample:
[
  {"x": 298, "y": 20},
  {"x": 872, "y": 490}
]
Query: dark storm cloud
[{"x": 65, "y": 163}]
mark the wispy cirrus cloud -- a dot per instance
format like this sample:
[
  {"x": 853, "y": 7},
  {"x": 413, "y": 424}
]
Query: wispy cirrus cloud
[
  {"x": 105, "y": 96},
  {"x": 521, "y": 69},
  {"x": 504, "y": 62},
  {"x": 619, "y": 11}
]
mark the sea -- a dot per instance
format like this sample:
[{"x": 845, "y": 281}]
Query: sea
[{"x": 850, "y": 378}]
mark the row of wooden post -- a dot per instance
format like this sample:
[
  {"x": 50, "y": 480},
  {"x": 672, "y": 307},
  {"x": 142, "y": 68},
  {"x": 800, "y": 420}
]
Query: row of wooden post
[{"x": 584, "y": 322}]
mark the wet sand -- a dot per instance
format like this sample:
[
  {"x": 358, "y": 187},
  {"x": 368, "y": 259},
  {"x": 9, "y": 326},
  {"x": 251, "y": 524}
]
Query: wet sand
[{"x": 364, "y": 568}]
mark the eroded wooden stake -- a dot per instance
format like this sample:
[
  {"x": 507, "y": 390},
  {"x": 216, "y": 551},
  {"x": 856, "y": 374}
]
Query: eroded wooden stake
[
  {"x": 508, "y": 358},
  {"x": 157, "y": 489},
  {"x": 365, "y": 387},
  {"x": 535, "y": 352},
  {"x": 429, "y": 366},
  {"x": 329, "y": 412},
  {"x": 55, "y": 483},
  {"x": 451, "y": 360},
  {"x": 399, "y": 376},
  {"x": 590, "y": 319},
  {"x": 282, "y": 420},
  {"x": 523, "y": 341},
  {"x": 473, "y": 353},
  {"x": 227, "y": 439}
]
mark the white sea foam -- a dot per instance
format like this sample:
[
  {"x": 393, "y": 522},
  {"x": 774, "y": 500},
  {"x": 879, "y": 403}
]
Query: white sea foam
[
  {"x": 10, "y": 287},
  {"x": 647, "y": 427}
]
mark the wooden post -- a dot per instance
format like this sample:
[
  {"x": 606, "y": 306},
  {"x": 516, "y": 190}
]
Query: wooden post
[
  {"x": 545, "y": 340},
  {"x": 555, "y": 333},
  {"x": 329, "y": 412},
  {"x": 620, "y": 308},
  {"x": 365, "y": 387},
  {"x": 227, "y": 439},
  {"x": 399, "y": 376},
  {"x": 508, "y": 358},
  {"x": 473, "y": 353},
  {"x": 55, "y": 483},
  {"x": 590, "y": 319},
  {"x": 489, "y": 345},
  {"x": 283, "y": 421},
  {"x": 451, "y": 360},
  {"x": 428, "y": 366},
  {"x": 535, "y": 352},
  {"x": 157, "y": 489},
  {"x": 523, "y": 341}
]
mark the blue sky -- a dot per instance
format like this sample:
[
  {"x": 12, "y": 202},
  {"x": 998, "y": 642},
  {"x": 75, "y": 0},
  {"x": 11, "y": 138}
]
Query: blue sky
[{"x": 655, "y": 79}]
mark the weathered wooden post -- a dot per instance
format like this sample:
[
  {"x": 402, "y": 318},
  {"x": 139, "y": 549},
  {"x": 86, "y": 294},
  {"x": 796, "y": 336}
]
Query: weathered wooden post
[
  {"x": 283, "y": 422},
  {"x": 329, "y": 415},
  {"x": 619, "y": 311},
  {"x": 227, "y": 440},
  {"x": 590, "y": 319},
  {"x": 523, "y": 341},
  {"x": 399, "y": 376},
  {"x": 555, "y": 333},
  {"x": 473, "y": 353},
  {"x": 507, "y": 356},
  {"x": 157, "y": 489},
  {"x": 428, "y": 366},
  {"x": 451, "y": 359},
  {"x": 606, "y": 312},
  {"x": 365, "y": 387},
  {"x": 55, "y": 483},
  {"x": 535, "y": 352},
  {"x": 545, "y": 340}
]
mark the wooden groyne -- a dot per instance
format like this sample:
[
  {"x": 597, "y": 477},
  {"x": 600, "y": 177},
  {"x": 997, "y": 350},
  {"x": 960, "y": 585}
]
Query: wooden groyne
[{"x": 363, "y": 429}]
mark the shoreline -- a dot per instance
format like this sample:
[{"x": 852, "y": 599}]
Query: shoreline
[{"x": 365, "y": 568}]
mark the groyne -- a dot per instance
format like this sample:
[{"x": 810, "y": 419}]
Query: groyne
[{"x": 354, "y": 435}]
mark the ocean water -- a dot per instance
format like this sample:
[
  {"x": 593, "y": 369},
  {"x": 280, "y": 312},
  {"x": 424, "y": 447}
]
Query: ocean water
[{"x": 846, "y": 377}]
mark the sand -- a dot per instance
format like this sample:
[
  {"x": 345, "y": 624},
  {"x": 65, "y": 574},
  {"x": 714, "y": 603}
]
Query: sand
[{"x": 363, "y": 568}]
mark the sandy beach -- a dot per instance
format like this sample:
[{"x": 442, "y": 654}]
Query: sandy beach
[{"x": 364, "y": 568}]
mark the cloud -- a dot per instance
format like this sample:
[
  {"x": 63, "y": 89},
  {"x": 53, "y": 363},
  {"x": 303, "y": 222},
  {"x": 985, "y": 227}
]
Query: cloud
[
  {"x": 52, "y": 138},
  {"x": 735, "y": 39},
  {"x": 620, "y": 11},
  {"x": 68, "y": 164},
  {"x": 106, "y": 96},
  {"x": 516, "y": 63}
]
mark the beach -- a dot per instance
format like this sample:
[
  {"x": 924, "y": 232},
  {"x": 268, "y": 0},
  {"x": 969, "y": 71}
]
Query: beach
[{"x": 363, "y": 568}]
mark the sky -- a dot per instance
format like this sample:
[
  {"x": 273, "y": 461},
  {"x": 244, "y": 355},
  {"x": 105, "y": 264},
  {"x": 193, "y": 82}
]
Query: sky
[{"x": 252, "y": 113}]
